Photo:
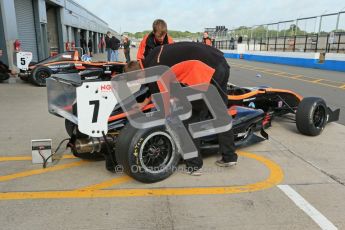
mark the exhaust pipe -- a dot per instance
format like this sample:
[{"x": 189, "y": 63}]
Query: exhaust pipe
[{"x": 91, "y": 145}]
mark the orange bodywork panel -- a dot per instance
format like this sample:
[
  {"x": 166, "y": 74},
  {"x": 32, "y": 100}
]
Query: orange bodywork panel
[{"x": 256, "y": 92}]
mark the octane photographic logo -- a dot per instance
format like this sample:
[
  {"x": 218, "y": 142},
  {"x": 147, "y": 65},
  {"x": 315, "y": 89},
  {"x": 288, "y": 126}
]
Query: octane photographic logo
[{"x": 173, "y": 105}]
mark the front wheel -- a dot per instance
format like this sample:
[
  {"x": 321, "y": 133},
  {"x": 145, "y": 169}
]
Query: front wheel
[
  {"x": 148, "y": 155},
  {"x": 311, "y": 116}
]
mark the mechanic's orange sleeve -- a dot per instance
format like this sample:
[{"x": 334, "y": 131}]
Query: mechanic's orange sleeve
[
  {"x": 170, "y": 40},
  {"x": 141, "y": 50}
]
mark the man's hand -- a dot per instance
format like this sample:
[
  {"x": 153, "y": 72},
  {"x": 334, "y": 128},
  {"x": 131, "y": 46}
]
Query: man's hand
[{"x": 138, "y": 107}]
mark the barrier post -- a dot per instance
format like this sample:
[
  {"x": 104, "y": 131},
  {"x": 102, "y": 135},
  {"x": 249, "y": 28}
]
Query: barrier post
[
  {"x": 284, "y": 43},
  {"x": 317, "y": 42},
  {"x": 326, "y": 51}
]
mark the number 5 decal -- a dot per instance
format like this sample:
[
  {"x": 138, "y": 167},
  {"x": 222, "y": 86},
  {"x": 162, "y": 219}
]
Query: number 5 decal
[{"x": 22, "y": 61}]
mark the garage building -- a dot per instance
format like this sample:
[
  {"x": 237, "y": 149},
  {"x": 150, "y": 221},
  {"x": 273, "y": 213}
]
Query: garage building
[{"x": 46, "y": 27}]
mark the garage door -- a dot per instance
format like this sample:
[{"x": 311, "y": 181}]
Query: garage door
[
  {"x": 2, "y": 42},
  {"x": 26, "y": 26}
]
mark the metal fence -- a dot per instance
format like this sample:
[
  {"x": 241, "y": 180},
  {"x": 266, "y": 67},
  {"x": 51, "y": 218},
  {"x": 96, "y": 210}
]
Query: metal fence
[
  {"x": 328, "y": 43},
  {"x": 323, "y": 33}
]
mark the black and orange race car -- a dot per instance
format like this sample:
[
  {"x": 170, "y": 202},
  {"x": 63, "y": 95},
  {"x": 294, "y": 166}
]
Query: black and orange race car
[
  {"x": 67, "y": 62},
  {"x": 98, "y": 127}
]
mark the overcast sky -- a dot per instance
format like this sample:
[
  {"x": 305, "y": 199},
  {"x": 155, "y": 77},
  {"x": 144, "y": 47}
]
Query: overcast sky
[{"x": 195, "y": 15}]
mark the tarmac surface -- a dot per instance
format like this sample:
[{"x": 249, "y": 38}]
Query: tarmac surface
[{"x": 290, "y": 181}]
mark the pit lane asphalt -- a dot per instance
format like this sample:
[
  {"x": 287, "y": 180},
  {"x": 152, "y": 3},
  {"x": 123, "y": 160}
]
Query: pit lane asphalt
[{"x": 312, "y": 166}]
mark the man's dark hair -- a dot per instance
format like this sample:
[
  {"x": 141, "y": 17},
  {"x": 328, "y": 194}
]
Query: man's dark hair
[{"x": 159, "y": 26}]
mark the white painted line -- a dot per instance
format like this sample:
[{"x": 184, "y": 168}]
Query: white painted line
[{"x": 320, "y": 219}]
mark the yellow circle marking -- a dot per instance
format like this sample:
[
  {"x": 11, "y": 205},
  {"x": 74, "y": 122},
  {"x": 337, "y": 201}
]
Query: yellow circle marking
[{"x": 275, "y": 177}]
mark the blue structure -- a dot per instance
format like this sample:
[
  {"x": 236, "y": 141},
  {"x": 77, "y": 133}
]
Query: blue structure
[{"x": 328, "y": 61}]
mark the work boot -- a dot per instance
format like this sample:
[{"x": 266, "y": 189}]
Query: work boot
[
  {"x": 227, "y": 162},
  {"x": 222, "y": 163},
  {"x": 193, "y": 171}
]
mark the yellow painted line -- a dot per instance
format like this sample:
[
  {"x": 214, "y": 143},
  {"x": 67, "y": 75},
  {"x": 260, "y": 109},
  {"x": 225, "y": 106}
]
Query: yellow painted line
[
  {"x": 318, "y": 80},
  {"x": 275, "y": 177},
  {"x": 40, "y": 171},
  {"x": 299, "y": 78},
  {"x": 29, "y": 158},
  {"x": 296, "y": 76},
  {"x": 108, "y": 183}
]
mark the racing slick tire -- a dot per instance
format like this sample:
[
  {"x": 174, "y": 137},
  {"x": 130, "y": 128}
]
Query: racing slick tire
[
  {"x": 40, "y": 74},
  {"x": 148, "y": 155},
  {"x": 4, "y": 76},
  {"x": 311, "y": 116}
]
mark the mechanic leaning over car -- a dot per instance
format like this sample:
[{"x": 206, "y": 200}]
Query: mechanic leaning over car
[
  {"x": 195, "y": 63},
  {"x": 158, "y": 36}
]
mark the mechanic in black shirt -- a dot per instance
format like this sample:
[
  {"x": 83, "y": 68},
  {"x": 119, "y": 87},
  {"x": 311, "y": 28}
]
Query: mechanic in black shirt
[
  {"x": 195, "y": 63},
  {"x": 108, "y": 45},
  {"x": 114, "y": 45}
]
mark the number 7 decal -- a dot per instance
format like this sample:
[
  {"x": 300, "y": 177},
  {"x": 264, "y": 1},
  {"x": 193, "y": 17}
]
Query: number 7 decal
[{"x": 95, "y": 103}]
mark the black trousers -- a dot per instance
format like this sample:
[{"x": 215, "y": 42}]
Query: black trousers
[
  {"x": 200, "y": 112},
  {"x": 127, "y": 55}
]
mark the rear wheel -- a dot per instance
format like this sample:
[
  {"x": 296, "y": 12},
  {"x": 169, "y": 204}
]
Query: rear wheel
[
  {"x": 311, "y": 116},
  {"x": 40, "y": 74},
  {"x": 4, "y": 76},
  {"x": 148, "y": 155}
]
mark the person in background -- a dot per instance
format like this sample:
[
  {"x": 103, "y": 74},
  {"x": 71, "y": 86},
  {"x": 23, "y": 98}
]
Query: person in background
[
  {"x": 108, "y": 45},
  {"x": 126, "y": 48},
  {"x": 206, "y": 39},
  {"x": 232, "y": 43},
  {"x": 239, "y": 40},
  {"x": 158, "y": 36},
  {"x": 89, "y": 46},
  {"x": 114, "y": 46},
  {"x": 101, "y": 44},
  {"x": 83, "y": 44}
]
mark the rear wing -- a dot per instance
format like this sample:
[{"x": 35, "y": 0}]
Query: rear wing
[{"x": 87, "y": 104}]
